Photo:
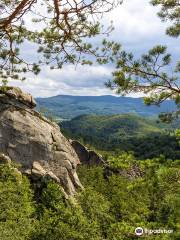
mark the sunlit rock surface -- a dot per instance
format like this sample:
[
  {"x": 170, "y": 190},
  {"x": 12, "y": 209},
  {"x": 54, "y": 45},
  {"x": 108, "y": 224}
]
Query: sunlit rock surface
[{"x": 35, "y": 142}]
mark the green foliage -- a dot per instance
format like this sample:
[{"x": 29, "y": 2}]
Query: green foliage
[
  {"x": 148, "y": 75},
  {"x": 152, "y": 74},
  {"x": 97, "y": 209},
  {"x": 16, "y": 205},
  {"x": 60, "y": 39},
  {"x": 61, "y": 219},
  {"x": 123, "y": 161},
  {"x": 110, "y": 207},
  {"x": 147, "y": 138},
  {"x": 178, "y": 135},
  {"x": 150, "y": 201},
  {"x": 170, "y": 10}
]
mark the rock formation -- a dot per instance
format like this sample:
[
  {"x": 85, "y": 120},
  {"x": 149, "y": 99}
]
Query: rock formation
[
  {"x": 36, "y": 143},
  {"x": 86, "y": 156},
  {"x": 91, "y": 158}
]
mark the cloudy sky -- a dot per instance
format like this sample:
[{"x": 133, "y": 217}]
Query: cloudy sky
[{"x": 137, "y": 28}]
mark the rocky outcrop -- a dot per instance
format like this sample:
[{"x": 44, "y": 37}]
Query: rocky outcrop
[
  {"x": 91, "y": 158},
  {"x": 35, "y": 142},
  {"x": 16, "y": 93},
  {"x": 133, "y": 172},
  {"x": 86, "y": 156}
]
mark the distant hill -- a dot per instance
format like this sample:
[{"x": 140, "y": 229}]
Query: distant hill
[
  {"x": 145, "y": 137},
  {"x": 112, "y": 127},
  {"x": 68, "y": 107}
]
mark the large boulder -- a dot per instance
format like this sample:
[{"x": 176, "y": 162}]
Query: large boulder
[
  {"x": 36, "y": 143},
  {"x": 86, "y": 156}
]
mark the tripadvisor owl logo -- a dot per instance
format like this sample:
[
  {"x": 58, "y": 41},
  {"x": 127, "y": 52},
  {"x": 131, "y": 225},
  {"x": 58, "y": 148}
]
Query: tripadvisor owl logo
[{"x": 139, "y": 231}]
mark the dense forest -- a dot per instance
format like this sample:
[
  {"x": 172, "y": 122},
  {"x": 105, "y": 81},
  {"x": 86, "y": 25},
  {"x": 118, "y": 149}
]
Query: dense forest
[
  {"x": 111, "y": 206},
  {"x": 145, "y": 137}
]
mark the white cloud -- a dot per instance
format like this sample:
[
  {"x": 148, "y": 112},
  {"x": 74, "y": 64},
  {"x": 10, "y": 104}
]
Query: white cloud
[
  {"x": 135, "y": 20},
  {"x": 85, "y": 80}
]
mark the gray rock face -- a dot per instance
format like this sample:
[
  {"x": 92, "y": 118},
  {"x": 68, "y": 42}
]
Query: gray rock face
[
  {"x": 35, "y": 142},
  {"x": 87, "y": 156},
  {"x": 16, "y": 93}
]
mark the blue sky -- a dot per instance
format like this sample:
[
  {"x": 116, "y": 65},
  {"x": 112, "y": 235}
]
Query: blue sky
[{"x": 137, "y": 28}]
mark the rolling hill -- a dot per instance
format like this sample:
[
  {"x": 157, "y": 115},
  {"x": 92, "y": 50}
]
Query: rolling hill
[
  {"x": 146, "y": 137},
  {"x": 114, "y": 126},
  {"x": 68, "y": 107}
]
